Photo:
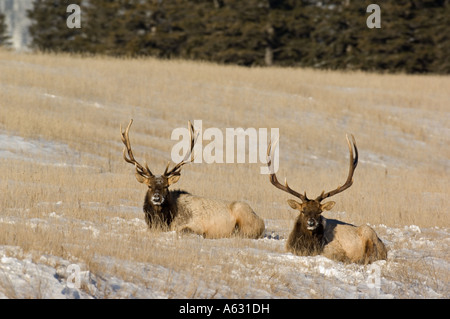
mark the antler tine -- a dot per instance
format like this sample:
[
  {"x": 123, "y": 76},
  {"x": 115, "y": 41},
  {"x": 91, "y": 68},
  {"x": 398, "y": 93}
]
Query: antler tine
[
  {"x": 143, "y": 171},
  {"x": 177, "y": 168},
  {"x": 351, "y": 170},
  {"x": 273, "y": 178}
]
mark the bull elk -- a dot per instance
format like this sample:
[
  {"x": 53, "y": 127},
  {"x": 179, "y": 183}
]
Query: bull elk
[
  {"x": 314, "y": 234},
  {"x": 182, "y": 212}
]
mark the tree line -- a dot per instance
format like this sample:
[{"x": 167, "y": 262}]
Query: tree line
[
  {"x": 327, "y": 34},
  {"x": 4, "y": 38}
]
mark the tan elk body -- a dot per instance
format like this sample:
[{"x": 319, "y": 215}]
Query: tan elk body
[
  {"x": 352, "y": 244},
  {"x": 180, "y": 211},
  {"x": 314, "y": 234}
]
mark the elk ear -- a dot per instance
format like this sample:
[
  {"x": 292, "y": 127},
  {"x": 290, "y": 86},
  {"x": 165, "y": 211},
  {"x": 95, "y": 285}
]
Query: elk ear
[
  {"x": 327, "y": 206},
  {"x": 141, "y": 179},
  {"x": 173, "y": 179},
  {"x": 294, "y": 204}
]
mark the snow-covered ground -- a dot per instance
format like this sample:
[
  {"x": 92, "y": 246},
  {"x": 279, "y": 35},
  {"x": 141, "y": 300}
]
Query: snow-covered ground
[
  {"x": 15, "y": 147},
  {"x": 27, "y": 276}
]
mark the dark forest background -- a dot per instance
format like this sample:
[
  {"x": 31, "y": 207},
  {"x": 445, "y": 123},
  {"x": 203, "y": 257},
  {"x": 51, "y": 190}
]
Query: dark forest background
[
  {"x": 4, "y": 38},
  {"x": 327, "y": 34}
]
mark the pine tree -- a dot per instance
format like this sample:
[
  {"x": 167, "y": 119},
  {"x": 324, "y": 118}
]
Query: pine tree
[
  {"x": 239, "y": 35},
  {"x": 224, "y": 31},
  {"x": 104, "y": 27},
  {"x": 172, "y": 24},
  {"x": 441, "y": 39},
  {"x": 49, "y": 30},
  {"x": 4, "y": 38},
  {"x": 413, "y": 36},
  {"x": 135, "y": 27},
  {"x": 324, "y": 34},
  {"x": 333, "y": 38},
  {"x": 293, "y": 23},
  {"x": 430, "y": 24}
]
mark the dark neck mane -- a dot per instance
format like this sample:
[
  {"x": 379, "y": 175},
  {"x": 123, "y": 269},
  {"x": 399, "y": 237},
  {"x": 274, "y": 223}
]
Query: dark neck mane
[
  {"x": 161, "y": 216},
  {"x": 306, "y": 242}
]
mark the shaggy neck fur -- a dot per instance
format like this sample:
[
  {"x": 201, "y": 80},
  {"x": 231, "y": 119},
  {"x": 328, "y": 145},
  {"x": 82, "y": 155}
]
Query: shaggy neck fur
[
  {"x": 306, "y": 242},
  {"x": 161, "y": 216}
]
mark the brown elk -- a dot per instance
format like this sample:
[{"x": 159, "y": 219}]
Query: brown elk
[
  {"x": 182, "y": 212},
  {"x": 314, "y": 234}
]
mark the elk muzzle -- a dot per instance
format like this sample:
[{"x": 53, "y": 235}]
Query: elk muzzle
[
  {"x": 312, "y": 224},
  {"x": 157, "y": 199}
]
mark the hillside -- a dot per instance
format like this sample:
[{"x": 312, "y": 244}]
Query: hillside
[{"x": 69, "y": 198}]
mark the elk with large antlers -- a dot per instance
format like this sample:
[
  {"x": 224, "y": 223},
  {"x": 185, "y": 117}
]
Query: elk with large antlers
[
  {"x": 182, "y": 212},
  {"x": 314, "y": 234}
]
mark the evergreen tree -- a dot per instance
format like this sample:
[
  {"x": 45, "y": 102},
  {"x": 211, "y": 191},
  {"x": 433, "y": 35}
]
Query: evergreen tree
[
  {"x": 171, "y": 25},
  {"x": 49, "y": 30},
  {"x": 334, "y": 38},
  {"x": 430, "y": 37},
  {"x": 441, "y": 39},
  {"x": 4, "y": 38},
  {"x": 323, "y": 34},
  {"x": 390, "y": 47},
  {"x": 104, "y": 27},
  {"x": 292, "y": 23},
  {"x": 240, "y": 32},
  {"x": 408, "y": 38},
  {"x": 136, "y": 27}
]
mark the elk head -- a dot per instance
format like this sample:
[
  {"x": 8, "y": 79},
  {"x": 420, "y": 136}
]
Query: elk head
[
  {"x": 158, "y": 185},
  {"x": 311, "y": 209}
]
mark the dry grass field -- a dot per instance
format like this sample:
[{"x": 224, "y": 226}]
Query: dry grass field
[{"x": 68, "y": 197}]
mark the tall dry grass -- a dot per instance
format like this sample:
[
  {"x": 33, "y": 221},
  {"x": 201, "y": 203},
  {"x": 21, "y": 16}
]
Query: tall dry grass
[{"x": 400, "y": 123}]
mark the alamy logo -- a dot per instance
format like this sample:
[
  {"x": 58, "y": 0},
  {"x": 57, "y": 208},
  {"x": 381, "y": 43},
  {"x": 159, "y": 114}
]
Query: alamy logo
[
  {"x": 74, "y": 19},
  {"x": 78, "y": 279},
  {"x": 374, "y": 278},
  {"x": 73, "y": 280},
  {"x": 237, "y": 145},
  {"x": 374, "y": 19}
]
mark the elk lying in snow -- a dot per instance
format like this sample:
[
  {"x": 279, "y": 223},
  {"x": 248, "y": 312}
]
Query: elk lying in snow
[
  {"x": 180, "y": 211},
  {"x": 313, "y": 234}
]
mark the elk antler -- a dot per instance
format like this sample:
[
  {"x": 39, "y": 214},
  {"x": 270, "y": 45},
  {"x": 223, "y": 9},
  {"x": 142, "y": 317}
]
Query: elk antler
[
  {"x": 274, "y": 180},
  {"x": 177, "y": 168},
  {"x": 143, "y": 171},
  {"x": 351, "y": 170}
]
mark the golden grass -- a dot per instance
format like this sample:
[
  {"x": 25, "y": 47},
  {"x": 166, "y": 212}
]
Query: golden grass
[{"x": 400, "y": 123}]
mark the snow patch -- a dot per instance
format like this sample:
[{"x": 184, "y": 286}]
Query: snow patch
[{"x": 37, "y": 150}]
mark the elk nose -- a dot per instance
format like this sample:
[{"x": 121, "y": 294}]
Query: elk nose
[
  {"x": 157, "y": 199},
  {"x": 311, "y": 222}
]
